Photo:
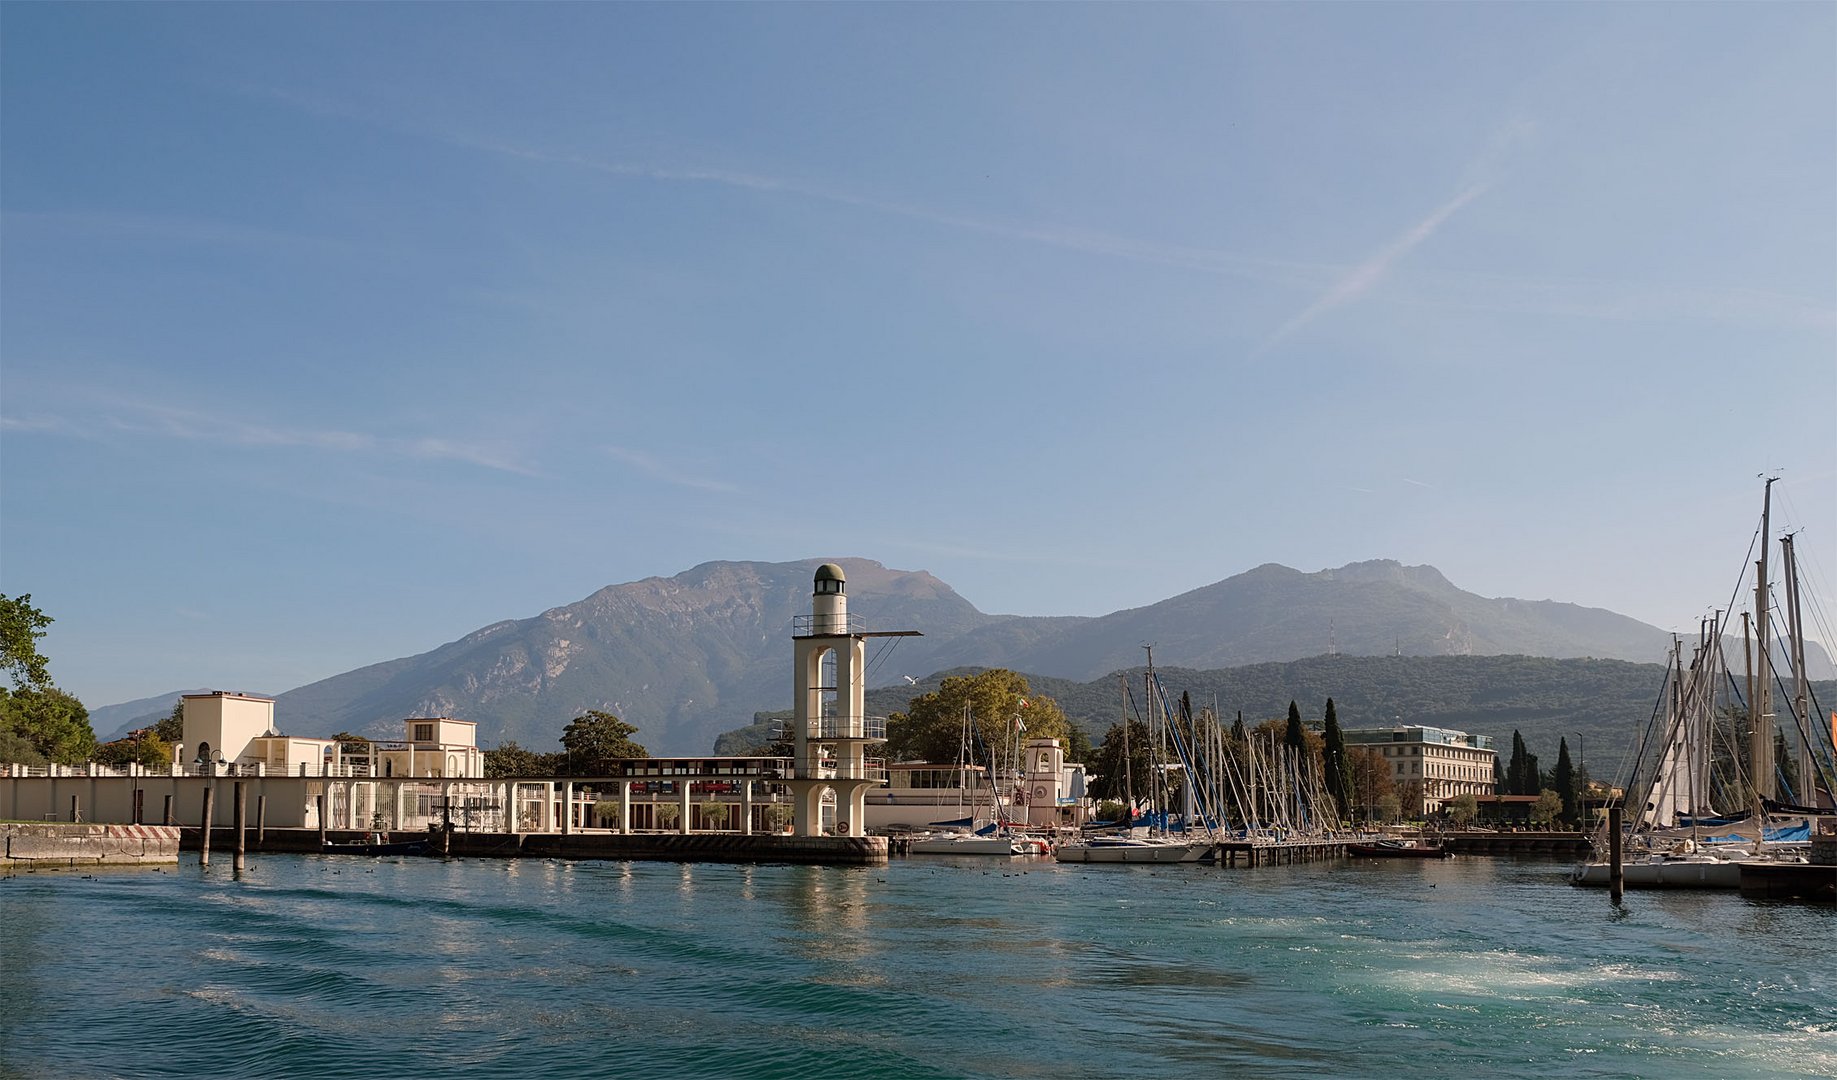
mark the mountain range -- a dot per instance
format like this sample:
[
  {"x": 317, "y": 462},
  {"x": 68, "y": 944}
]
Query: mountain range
[{"x": 688, "y": 657}]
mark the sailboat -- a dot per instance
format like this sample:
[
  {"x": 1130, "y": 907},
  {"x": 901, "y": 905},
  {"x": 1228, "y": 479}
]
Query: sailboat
[
  {"x": 993, "y": 837},
  {"x": 1694, "y": 824},
  {"x": 1152, "y": 844}
]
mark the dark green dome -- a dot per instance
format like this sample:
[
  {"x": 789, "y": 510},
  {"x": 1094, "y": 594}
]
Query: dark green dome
[{"x": 830, "y": 572}]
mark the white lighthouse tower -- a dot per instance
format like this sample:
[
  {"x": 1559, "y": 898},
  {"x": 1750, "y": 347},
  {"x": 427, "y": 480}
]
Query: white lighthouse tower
[{"x": 833, "y": 733}]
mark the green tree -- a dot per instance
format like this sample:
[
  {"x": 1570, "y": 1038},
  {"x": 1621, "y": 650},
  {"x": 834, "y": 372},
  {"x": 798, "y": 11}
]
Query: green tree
[
  {"x": 1108, "y": 775},
  {"x": 1548, "y": 805},
  {"x": 511, "y": 760},
  {"x": 1563, "y": 779},
  {"x": 1371, "y": 779},
  {"x": 1296, "y": 735},
  {"x": 14, "y": 747},
  {"x": 52, "y": 722},
  {"x": 1390, "y": 808},
  {"x": 931, "y": 727},
  {"x": 1463, "y": 808},
  {"x": 1522, "y": 776},
  {"x": 594, "y": 742},
  {"x": 140, "y": 747},
  {"x": 1334, "y": 763},
  {"x": 21, "y": 625},
  {"x": 38, "y": 722},
  {"x": 350, "y": 743},
  {"x": 171, "y": 729}
]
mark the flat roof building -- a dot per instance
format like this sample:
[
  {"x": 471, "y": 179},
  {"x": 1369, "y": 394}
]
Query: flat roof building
[{"x": 1431, "y": 765}]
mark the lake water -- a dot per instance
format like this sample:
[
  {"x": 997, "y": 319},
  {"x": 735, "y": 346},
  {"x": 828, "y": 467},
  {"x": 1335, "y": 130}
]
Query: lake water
[{"x": 341, "y": 966}]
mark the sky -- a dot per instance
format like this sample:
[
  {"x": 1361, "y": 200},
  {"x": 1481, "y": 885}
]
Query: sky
[{"x": 330, "y": 333}]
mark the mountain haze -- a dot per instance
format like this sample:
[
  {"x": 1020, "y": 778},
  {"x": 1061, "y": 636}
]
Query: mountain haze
[{"x": 688, "y": 657}]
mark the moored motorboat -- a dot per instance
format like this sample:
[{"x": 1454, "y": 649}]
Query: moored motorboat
[
  {"x": 1398, "y": 849},
  {"x": 376, "y": 844}
]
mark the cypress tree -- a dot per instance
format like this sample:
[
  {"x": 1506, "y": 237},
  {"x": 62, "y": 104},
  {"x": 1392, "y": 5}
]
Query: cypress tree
[
  {"x": 1563, "y": 780},
  {"x": 1514, "y": 772},
  {"x": 1336, "y": 762},
  {"x": 1237, "y": 730},
  {"x": 1294, "y": 737}
]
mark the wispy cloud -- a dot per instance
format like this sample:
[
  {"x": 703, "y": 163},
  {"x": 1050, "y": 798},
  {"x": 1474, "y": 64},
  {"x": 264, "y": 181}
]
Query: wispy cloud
[
  {"x": 35, "y": 424},
  {"x": 1418, "y": 483},
  {"x": 1072, "y": 238},
  {"x": 224, "y": 429},
  {"x": 1089, "y": 241},
  {"x": 1335, "y": 285},
  {"x": 1361, "y": 278},
  {"x": 658, "y": 470}
]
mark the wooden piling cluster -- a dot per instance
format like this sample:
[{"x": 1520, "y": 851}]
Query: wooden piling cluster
[{"x": 1281, "y": 853}]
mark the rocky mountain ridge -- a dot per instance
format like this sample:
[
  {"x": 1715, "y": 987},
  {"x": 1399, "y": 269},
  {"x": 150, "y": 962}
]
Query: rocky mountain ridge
[{"x": 689, "y": 656}]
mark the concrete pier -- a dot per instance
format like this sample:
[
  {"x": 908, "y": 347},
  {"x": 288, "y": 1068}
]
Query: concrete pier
[{"x": 55, "y": 845}]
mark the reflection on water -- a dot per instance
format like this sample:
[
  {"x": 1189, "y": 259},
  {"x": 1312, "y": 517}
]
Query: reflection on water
[{"x": 926, "y": 969}]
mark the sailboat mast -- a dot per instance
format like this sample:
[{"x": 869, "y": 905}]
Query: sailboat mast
[
  {"x": 1122, "y": 681},
  {"x": 1760, "y": 734},
  {"x": 1807, "y": 792}
]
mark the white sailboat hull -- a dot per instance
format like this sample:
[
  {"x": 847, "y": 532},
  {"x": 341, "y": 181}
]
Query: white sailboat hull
[
  {"x": 965, "y": 845},
  {"x": 1670, "y": 874}
]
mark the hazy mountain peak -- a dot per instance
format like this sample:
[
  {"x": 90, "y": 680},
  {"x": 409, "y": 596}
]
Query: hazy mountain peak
[{"x": 689, "y": 656}]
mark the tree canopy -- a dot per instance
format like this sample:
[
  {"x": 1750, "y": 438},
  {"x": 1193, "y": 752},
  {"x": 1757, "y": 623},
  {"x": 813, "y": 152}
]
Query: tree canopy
[
  {"x": 931, "y": 727},
  {"x": 595, "y": 741},
  {"x": 38, "y": 722},
  {"x": 1563, "y": 779},
  {"x": 511, "y": 760},
  {"x": 21, "y": 625},
  {"x": 1109, "y": 777},
  {"x": 1333, "y": 757}
]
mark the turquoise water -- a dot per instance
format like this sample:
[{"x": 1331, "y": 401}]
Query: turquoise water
[{"x": 341, "y": 966}]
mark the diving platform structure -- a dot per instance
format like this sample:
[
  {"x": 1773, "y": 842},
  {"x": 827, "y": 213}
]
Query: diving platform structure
[{"x": 834, "y": 741}]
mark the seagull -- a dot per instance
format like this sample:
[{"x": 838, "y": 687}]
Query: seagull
[{"x": 910, "y": 681}]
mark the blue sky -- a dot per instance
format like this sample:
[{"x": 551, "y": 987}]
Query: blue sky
[{"x": 334, "y": 332}]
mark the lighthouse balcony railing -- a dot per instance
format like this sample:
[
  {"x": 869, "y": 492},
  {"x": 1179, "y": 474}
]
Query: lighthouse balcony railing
[
  {"x": 825, "y": 625},
  {"x": 848, "y": 727},
  {"x": 832, "y": 769}
]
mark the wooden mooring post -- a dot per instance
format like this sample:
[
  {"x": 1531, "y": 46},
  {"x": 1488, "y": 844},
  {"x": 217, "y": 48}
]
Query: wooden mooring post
[
  {"x": 210, "y": 792},
  {"x": 1616, "y": 877},
  {"x": 239, "y": 853},
  {"x": 261, "y": 822}
]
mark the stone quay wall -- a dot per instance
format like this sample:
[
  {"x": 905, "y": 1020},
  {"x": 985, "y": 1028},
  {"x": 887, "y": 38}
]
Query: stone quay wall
[{"x": 55, "y": 845}]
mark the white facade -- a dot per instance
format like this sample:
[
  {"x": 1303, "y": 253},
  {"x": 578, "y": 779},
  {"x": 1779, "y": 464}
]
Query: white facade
[
  {"x": 1442, "y": 764},
  {"x": 436, "y": 746},
  {"x": 1048, "y": 793},
  {"x": 220, "y": 726}
]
